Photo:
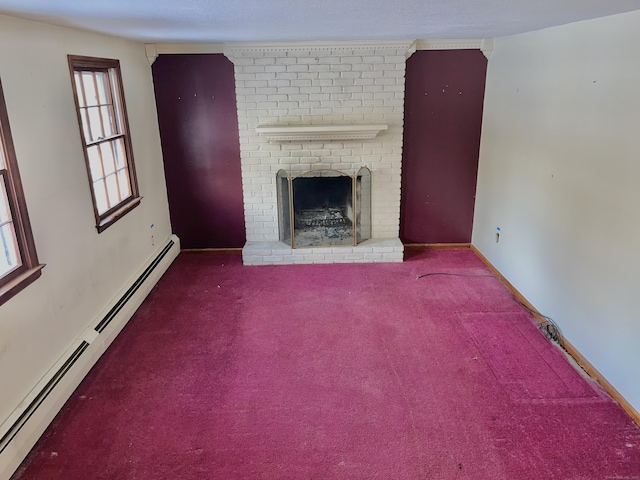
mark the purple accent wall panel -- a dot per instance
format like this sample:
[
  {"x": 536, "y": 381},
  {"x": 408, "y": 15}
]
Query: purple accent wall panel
[
  {"x": 196, "y": 102},
  {"x": 443, "y": 118}
]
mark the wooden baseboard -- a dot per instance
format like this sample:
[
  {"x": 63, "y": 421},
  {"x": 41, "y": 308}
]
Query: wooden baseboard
[
  {"x": 565, "y": 344},
  {"x": 428, "y": 246},
  {"x": 218, "y": 251}
]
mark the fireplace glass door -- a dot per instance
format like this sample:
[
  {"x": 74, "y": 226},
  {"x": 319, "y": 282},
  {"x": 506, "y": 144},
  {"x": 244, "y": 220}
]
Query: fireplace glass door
[{"x": 324, "y": 208}]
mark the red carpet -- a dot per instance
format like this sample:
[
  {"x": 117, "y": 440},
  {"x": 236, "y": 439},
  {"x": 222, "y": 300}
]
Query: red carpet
[{"x": 335, "y": 372}]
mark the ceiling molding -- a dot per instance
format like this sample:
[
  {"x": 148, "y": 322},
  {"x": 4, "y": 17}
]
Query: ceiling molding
[
  {"x": 487, "y": 47},
  {"x": 484, "y": 44},
  {"x": 411, "y": 50},
  {"x": 151, "y": 51},
  {"x": 232, "y": 49},
  {"x": 185, "y": 48}
]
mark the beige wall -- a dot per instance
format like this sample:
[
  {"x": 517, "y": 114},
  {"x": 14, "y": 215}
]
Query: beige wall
[
  {"x": 559, "y": 174},
  {"x": 84, "y": 269}
]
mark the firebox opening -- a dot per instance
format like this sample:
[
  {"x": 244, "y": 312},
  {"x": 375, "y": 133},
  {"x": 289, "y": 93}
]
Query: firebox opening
[
  {"x": 323, "y": 211},
  {"x": 324, "y": 208}
]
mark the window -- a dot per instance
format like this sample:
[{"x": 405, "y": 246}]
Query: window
[
  {"x": 97, "y": 88},
  {"x": 18, "y": 260}
]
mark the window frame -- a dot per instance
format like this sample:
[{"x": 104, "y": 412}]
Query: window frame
[
  {"x": 30, "y": 269},
  {"x": 79, "y": 63}
]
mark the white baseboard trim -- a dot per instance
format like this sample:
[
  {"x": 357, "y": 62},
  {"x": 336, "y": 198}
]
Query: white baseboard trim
[{"x": 22, "y": 429}]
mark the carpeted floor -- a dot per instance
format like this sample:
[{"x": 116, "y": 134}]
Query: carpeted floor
[{"x": 335, "y": 372}]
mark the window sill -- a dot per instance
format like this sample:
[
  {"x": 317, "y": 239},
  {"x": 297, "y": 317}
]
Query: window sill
[
  {"x": 113, "y": 217},
  {"x": 19, "y": 283}
]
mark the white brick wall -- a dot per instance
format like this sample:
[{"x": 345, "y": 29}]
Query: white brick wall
[{"x": 319, "y": 84}]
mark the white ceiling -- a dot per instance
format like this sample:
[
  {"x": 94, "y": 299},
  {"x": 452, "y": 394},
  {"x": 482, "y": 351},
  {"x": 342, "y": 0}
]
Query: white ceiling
[{"x": 157, "y": 21}]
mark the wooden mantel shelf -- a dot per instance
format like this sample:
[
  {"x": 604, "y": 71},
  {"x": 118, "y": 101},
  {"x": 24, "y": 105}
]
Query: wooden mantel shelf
[{"x": 290, "y": 133}]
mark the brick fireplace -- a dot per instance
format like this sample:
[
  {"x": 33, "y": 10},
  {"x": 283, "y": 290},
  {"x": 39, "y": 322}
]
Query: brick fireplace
[{"x": 322, "y": 99}]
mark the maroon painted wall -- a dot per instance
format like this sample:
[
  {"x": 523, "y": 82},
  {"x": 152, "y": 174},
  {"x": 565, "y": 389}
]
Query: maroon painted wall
[
  {"x": 443, "y": 118},
  {"x": 196, "y": 102}
]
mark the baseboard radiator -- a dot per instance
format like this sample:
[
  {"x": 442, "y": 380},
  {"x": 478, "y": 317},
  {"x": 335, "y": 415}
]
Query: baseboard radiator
[{"x": 20, "y": 432}]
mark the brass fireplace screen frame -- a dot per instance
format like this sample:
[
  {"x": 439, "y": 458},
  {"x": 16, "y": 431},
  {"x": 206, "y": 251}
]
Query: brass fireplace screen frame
[{"x": 358, "y": 202}]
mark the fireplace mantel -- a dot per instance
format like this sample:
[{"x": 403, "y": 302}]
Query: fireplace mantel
[{"x": 291, "y": 133}]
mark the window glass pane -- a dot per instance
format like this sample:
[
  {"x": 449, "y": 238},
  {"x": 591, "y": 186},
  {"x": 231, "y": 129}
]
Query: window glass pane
[
  {"x": 107, "y": 158},
  {"x": 102, "y": 87},
  {"x": 123, "y": 181},
  {"x": 94, "y": 123},
  {"x": 95, "y": 165},
  {"x": 1, "y": 158},
  {"x": 76, "y": 78},
  {"x": 108, "y": 121},
  {"x": 112, "y": 190},
  {"x": 89, "y": 89},
  {"x": 100, "y": 192},
  {"x": 85, "y": 126},
  {"x": 9, "y": 254},
  {"x": 121, "y": 159}
]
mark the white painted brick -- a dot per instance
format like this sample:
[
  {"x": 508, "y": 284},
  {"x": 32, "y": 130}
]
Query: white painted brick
[
  {"x": 310, "y": 90},
  {"x": 331, "y": 75},
  {"x": 319, "y": 68},
  {"x": 297, "y": 68},
  {"x": 301, "y": 82},
  {"x": 255, "y": 97},
  {"x": 255, "y": 83},
  {"x": 340, "y": 67},
  {"x": 243, "y": 61},
  {"x": 320, "y": 87},
  {"x": 300, "y": 111},
  {"x": 398, "y": 59},
  {"x": 372, "y": 74},
  {"x": 386, "y": 81},
  {"x": 275, "y": 68},
  {"x": 247, "y": 105},
  {"x": 325, "y": 95},
  {"x": 265, "y": 76},
  {"x": 307, "y": 60},
  {"x": 265, "y": 61},
  {"x": 251, "y": 69},
  {"x": 273, "y": 258}
]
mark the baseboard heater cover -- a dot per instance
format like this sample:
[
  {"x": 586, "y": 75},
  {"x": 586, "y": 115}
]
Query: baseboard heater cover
[
  {"x": 41, "y": 396},
  {"x": 75, "y": 354},
  {"x": 133, "y": 289}
]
